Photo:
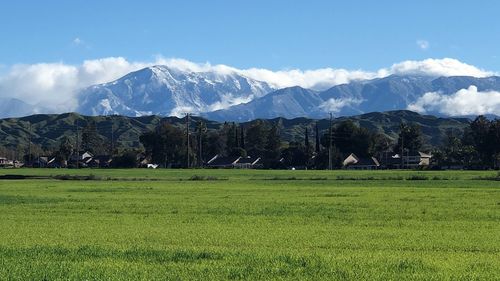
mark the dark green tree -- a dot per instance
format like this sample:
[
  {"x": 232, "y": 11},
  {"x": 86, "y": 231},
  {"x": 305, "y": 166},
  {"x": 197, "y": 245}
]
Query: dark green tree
[
  {"x": 294, "y": 155},
  {"x": 272, "y": 148},
  {"x": 307, "y": 149},
  {"x": 65, "y": 150},
  {"x": 92, "y": 141},
  {"x": 381, "y": 146},
  {"x": 410, "y": 138},
  {"x": 306, "y": 138},
  {"x": 201, "y": 130},
  {"x": 128, "y": 159},
  {"x": 482, "y": 138},
  {"x": 233, "y": 144},
  {"x": 318, "y": 145},
  {"x": 349, "y": 138},
  {"x": 242, "y": 137},
  {"x": 256, "y": 139},
  {"x": 166, "y": 145},
  {"x": 213, "y": 145}
]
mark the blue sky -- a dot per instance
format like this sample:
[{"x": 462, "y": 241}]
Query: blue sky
[
  {"x": 275, "y": 35},
  {"x": 51, "y": 50}
]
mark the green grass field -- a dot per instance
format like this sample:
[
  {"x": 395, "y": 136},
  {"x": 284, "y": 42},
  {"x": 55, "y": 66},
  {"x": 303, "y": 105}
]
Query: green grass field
[{"x": 253, "y": 225}]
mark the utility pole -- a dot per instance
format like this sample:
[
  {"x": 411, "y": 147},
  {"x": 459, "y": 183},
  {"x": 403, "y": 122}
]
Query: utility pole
[
  {"x": 187, "y": 140},
  {"x": 200, "y": 146},
  {"x": 330, "y": 164}
]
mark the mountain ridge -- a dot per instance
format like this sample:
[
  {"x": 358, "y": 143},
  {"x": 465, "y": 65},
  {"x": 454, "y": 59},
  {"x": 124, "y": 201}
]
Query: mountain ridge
[
  {"x": 168, "y": 91},
  {"x": 227, "y": 95},
  {"x": 47, "y": 130},
  {"x": 395, "y": 92}
]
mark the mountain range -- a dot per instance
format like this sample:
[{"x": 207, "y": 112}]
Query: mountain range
[
  {"x": 383, "y": 94},
  {"x": 230, "y": 96}
]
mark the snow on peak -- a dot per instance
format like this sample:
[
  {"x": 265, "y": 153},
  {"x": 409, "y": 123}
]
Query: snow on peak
[{"x": 164, "y": 90}]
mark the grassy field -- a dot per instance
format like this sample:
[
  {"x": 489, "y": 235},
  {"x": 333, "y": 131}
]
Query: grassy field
[{"x": 254, "y": 225}]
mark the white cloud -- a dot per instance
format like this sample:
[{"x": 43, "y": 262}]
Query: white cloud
[
  {"x": 318, "y": 79},
  {"x": 225, "y": 102},
  {"x": 77, "y": 41},
  {"x": 228, "y": 101},
  {"x": 55, "y": 85},
  {"x": 182, "y": 110},
  {"x": 464, "y": 102},
  {"x": 324, "y": 78},
  {"x": 438, "y": 67},
  {"x": 336, "y": 105},
  {"x": 423, "y": 44}
]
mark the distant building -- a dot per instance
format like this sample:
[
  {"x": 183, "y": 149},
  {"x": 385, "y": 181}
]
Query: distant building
[
  {"x": 81, "y": 159},
  {"x": 354, "y": 162},
  {"x": 219, "y": 161},
  {"x": 4, "y": 162},
  {"x": 40, "y": 162},
  {"x": 411, "y": 160},
  {"x": 249, "y": 163},
  {"x": 238, "y": 162},
  {"x": 101, "y": 161}
]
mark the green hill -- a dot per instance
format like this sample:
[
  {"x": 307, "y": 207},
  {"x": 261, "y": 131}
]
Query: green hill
[{"x": 46, "y": 130}]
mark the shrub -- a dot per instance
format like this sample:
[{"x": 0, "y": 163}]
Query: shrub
[
  {"x": 417, "y": 178},
  {"x": 203, "y": 178}
]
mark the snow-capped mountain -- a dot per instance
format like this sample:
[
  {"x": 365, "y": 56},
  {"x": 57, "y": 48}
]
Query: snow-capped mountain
[
  {"x": 167, "y": 91},
  {"x": 230, "y": 96},
  {"x": 288, "y": 103},
  {"x": 377, "y": 95}
]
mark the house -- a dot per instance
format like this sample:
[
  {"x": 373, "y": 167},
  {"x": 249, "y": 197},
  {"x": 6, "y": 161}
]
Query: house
[
  {"x": 53, "y": 163},
  {"x": 412, "y": 160},
  {"x": 354, "y": 162},
  {"x": 219, "y": 161},
  {"x": 85, "y": 155},
  {"x": 248, "y": 163},
  {"x": 40, "y": 162},
  {"x": 4, "y": 162},
  {"x": 152, "y": 166},
  {"x": 100, "y": 161},
  {"x": 82, "y": 159},
  {"x": 143, "y": 160},
  {"x": 238, "y": 162},
  {"x": 391, "y": 162}
]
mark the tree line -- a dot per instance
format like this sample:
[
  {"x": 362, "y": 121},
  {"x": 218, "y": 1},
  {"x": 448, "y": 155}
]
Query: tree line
[
  {"x": 478, "y": 147},
  {"x": 168, "y": 144}
]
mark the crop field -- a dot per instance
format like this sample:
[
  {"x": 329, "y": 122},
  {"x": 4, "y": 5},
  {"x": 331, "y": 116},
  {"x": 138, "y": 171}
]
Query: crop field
[{"x": 252, "y": 225}]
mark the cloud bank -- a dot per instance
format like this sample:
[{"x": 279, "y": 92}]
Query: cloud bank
[
  {"x": 464, "y": 102},
  {"x": 336, "y": 105},
  {"x": 56, "y": 85}
]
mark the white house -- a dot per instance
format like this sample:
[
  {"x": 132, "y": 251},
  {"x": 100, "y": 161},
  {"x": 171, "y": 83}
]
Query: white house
[{"x": 360, "y": 163}]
